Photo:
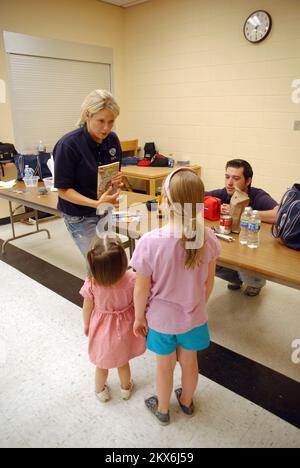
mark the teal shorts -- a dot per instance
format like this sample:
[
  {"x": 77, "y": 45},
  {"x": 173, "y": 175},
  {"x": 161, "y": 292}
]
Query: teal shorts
[{"x": 196, "y": 339}]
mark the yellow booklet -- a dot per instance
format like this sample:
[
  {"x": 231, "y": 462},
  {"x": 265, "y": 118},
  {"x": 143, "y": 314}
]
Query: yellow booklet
[{"x": 105, "y": 175}]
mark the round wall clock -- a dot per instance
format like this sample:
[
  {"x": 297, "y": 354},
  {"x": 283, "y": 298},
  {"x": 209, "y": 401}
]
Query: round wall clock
[{"x": 257, "y": 26}]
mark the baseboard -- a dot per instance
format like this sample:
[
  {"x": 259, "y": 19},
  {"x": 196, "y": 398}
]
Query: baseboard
[{"x": 4, "y": 221}]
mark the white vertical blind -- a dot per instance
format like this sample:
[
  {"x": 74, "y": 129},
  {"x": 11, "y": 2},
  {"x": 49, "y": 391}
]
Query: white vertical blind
[{"x": 46, "y": 96}]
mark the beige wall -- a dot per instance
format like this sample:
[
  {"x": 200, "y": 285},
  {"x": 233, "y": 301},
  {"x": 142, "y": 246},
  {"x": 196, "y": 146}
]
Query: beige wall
[
  {"x": 197, "y": 88},
  {"x": 192, "y": 83},
  {"x": 83, "y": 21}
]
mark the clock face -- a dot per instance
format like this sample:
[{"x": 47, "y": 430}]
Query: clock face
[{"x": 257, "y": 26}]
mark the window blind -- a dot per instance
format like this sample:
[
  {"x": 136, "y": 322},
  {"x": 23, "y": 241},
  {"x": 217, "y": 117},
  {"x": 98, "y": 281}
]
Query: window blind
[{"x": 46, "y": 95}]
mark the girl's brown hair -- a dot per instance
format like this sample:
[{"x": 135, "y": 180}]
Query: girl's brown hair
[
  {"x": 107, "y": 261},
  {"x": 187, "y": 189}
]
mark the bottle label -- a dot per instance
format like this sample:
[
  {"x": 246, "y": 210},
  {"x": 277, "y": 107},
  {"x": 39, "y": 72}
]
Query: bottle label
[
  {"x": 244, "y": 224},
  {"x": 254, "y": 227}
]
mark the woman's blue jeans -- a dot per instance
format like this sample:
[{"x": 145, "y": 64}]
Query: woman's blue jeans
[{"x": 82, "y": 230}]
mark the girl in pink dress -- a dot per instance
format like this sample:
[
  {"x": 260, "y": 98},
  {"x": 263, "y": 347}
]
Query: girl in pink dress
[{"x": 108, "y": 314}]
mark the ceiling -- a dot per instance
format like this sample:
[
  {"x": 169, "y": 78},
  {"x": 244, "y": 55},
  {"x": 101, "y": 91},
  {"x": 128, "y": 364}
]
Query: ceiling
[{"x": 125, "y": 3}]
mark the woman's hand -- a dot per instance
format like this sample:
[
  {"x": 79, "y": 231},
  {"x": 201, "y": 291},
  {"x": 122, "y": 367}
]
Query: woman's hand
[
  {"x": 117, "y": 181},
  {"x": 109, "y": 198},
  {"x": 140, "y": 328},
  {"x": 86, "y": 330}
]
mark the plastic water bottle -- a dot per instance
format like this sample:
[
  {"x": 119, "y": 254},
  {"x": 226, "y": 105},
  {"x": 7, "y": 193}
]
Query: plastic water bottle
[
  {"x": 28, "y": 172},
  {"x": 41, "y": 147},
  {"x": 171, "y": 161},
  {"x": 245, "y": 218},
  {"x": 254, "y": 230}
]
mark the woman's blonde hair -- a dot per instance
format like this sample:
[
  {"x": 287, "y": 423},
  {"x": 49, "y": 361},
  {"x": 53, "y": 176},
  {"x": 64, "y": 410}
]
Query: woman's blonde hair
[
  {"x": 187, "y": 192},
  {"x": 107, "y": 260},
  {"x": 98, "y": 100}
]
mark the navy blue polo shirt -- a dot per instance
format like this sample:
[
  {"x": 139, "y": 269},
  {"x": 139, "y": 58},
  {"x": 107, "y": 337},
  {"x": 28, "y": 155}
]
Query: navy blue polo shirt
[
  {"x": 77, "y": 158},
  {"x": 259, "y": 199}
]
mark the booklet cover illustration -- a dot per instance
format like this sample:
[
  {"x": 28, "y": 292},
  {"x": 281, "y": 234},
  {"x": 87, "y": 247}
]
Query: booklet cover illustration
[{"x": 105, "y": 175}]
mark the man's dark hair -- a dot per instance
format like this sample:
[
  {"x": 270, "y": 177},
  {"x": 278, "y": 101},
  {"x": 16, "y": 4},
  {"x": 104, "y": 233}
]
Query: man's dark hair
[{"x": 248, "y": 171}]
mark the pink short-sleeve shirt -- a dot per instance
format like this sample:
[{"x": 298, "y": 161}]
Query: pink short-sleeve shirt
[{"x": 177, "y": 301}]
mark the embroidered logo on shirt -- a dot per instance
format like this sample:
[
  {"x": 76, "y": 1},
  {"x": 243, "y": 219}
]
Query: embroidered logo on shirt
[{"x": 113, "y": 152}]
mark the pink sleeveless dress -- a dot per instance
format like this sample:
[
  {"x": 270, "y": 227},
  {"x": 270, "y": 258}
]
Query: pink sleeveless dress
[{"x": 111, "y": 340}]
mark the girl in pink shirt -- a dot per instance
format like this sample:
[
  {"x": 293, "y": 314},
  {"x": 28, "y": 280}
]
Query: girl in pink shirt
[
  {"x": 175, "y": 269},
  {"x": 108, "y": 314}
]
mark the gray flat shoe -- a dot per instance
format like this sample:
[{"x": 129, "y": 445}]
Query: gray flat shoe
[
  {"x": 152, "y": 405},
  {"x": 188, "y": 411},
  {"x": 251, "y": 291}
]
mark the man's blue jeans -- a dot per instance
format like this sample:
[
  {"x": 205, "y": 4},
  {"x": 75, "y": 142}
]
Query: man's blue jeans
[
  {"x": 82, "y": 230},
  {"x": 236, "y": 277}
]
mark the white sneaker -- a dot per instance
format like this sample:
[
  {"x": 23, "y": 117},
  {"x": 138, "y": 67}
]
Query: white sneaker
[
  {"x": 126, "y": 394},
  {"x": 104, "y": 396}
]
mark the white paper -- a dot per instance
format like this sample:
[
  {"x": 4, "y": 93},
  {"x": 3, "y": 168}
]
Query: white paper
[
  {"x": 7, "y": 185},
  {"x": 50, "y": 165}
]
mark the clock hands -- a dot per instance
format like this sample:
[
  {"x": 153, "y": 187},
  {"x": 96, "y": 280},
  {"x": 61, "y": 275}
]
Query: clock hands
[{"x": 257, "y": 26}]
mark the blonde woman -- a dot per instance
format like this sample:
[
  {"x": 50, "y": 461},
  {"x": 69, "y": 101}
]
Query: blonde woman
[
  {"x": 77, "y": 157},
  {"x": 175, "y": 269}
]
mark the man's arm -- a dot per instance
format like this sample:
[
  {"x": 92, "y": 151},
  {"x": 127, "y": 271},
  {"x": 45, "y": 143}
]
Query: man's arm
[{"x": 269, "y": 216}]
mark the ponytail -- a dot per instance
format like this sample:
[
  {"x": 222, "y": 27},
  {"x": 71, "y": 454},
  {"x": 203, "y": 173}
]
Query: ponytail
[
  {"x": 193, "y": 237},
  {"x": 184, "y": 191}
]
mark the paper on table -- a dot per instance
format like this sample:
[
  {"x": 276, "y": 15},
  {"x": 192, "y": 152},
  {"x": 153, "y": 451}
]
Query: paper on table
[
  {"x": 50, "y": 165},
  {"x": 7, "y": 185},
  {"x": 124, "y": 214}
]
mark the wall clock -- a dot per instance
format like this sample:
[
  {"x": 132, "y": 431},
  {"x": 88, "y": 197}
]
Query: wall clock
[{"x": 257, "y": 26}]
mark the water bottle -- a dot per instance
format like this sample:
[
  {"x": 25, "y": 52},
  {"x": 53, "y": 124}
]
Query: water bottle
[
  {"x": 28, "y": 172},
  {"x": 41, "y": 147},
  {"x": 171, "y": 162},
  {"x": 245, "y": 218},
  {"x": 254, "y": 230}
]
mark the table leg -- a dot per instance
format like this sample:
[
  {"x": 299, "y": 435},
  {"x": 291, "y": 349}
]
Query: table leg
[
  {"x": 152, "y": 187},
  {"x": 11, "y": 215},
  {"x": 131, "y": 246},
  {"x": 14, "y": 218}
]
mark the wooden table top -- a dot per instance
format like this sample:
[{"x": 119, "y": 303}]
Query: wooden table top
[
  {"x": 147, "y": 172},
  {"x": 48, "y": 203},
  {"x": 271, "y": 260}
]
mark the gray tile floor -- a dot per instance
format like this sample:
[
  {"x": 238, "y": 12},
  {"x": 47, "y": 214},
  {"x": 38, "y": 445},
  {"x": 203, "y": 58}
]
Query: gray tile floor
[
  {"x": 261, "y": 328},
  {"x": 46, "y": 390}
]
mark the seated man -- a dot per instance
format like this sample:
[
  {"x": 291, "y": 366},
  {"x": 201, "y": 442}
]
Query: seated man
[{"x": 239, "y": 174}]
